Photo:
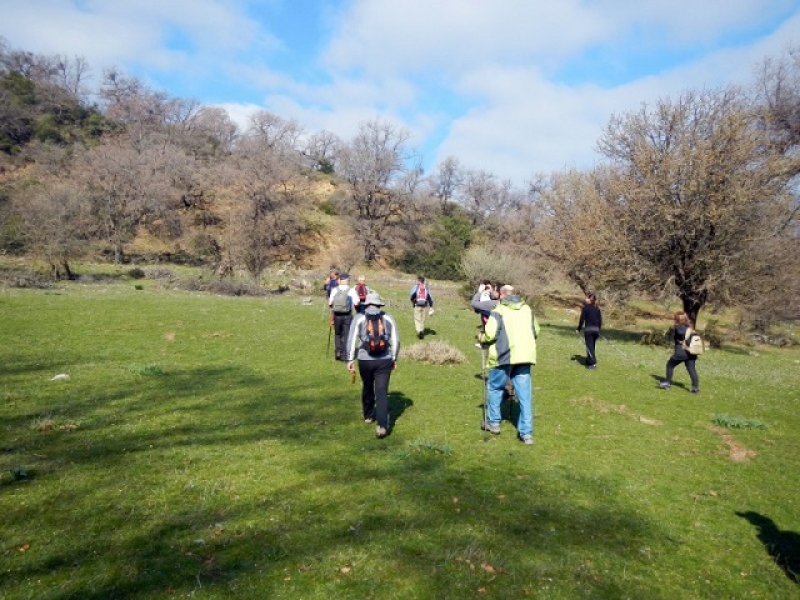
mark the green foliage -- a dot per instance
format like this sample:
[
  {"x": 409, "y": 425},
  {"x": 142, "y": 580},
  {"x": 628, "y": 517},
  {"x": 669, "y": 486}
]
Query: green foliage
[
  {"x": 730, "y": 422},
  {"x": 328, "y": 208},
  {"x": 439, "y": 250},
  {"x": 146, "y": 370}
]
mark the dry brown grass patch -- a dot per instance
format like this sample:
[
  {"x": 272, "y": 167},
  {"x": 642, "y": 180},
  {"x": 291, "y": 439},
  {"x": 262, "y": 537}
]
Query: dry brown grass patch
[
  {"x": 619, "y": 409},
  {"x": 435, "y": 353}
]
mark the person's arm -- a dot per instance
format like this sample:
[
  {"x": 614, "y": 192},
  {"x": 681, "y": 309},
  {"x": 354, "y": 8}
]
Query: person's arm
[
  {"x": 394, "y": 337},
  {"x": 581, "y": 320},
  {"x": 489, "y": 333},
  {"x": 352, "y": 341},
  {"x": 413, "y": 294},
  {"x": 482, "y": 305}
]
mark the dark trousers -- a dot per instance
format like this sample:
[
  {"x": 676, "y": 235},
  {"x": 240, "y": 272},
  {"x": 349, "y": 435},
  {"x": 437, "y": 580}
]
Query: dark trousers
[
  {"x": 590, "y": 338},
  {"x": 341, "y": 328},
  {"x": 674, "y": 362},
  {"x": 375, "y": 376}
]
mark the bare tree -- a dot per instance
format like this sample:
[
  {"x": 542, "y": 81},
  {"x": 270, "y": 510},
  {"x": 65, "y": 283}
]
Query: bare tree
[
  {"x": 322, "y": 148},
  {"x": 446, "y": 183},
  {"x": 56, "y": 224},
  {"x": 577, "y": 231},
  {"x": 268, "y": 222},
  {"x": 128, "y": 180},
  {"x": 691, "y": 187},
  {"x": 274, "y": 132},
  {"x": 381, "y": 184}
]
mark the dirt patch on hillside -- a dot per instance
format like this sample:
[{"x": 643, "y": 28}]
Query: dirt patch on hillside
[
  {"x": 619, "y": 409},
  {"x": 736, "y": 451}
]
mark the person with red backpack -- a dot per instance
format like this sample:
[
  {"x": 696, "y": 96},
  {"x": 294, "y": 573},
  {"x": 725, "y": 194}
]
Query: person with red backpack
[
  {"x": 422, "y": 301},
  {"x": 374, "y": 341},
  {"x": 362, "y": 290}
]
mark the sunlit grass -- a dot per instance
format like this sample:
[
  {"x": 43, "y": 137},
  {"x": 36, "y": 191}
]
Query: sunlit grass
[{"x": 209, "y": 446}]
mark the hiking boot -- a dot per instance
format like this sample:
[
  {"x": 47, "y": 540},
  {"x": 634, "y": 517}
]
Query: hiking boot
[
  {"x": 420, "y": 335},
  {"x": 526, "y": 439},
  {"x": 592, "y": 367},
  {"x": 486, "y": 426},
  {"x": 369, "y": 419},
  {"x": 695, "y": 390},
  {"x": 380, "y": 432},
  {"x": 665, "y": 385}
]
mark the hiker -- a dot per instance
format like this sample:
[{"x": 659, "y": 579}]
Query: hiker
[
  {"x": 510, "y": 334},
  {"x": 362, "y": 290},
  {"x": 331, "y": 282},
  {"x": 680, "y": 355},
  {"x": 591, "y": 320},
  {"x": 422, "y": 301},
  {"x": 374, "y": 341},
  {"x": 342, "y": 299}
]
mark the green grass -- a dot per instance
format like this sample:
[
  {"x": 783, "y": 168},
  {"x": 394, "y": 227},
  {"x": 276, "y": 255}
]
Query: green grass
[{"x": 206, "y": 446}]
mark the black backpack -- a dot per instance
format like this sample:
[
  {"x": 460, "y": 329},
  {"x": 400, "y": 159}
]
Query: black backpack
[{"x": 376, "y": 341}]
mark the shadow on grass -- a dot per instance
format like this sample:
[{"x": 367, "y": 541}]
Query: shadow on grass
[
  {"x": 783, "y": 546},
  {"x": 126, "y": 516}
]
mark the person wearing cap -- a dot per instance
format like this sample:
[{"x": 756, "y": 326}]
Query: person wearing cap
[
  {"x": 342, "y": 300},
  {"x": 510, "y": 334},
  {"x": 374, "y": 367}
]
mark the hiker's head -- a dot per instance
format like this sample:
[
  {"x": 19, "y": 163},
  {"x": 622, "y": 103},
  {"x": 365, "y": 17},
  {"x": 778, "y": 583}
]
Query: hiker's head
[
  {"x": 681, "y": 318},
  {"x": 506, "y": 290},
  {"x": 344, "y": 277},
  {"x": 362, "y": 279},
  {"x": 373, "y": 299},
  {"x": 591, "y": 298},
  {"x": 421, "y": 279}
]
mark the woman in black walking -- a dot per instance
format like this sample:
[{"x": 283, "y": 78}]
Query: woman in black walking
[
  {"x": 591, "y": 321},
  {"x": 680, "y": 355}
]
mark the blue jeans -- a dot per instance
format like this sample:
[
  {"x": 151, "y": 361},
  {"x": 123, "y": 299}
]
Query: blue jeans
[{"x": 520, "y": 376}]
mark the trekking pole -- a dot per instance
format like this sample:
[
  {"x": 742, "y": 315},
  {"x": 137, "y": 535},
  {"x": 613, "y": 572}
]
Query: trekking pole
[
  {"x": 585, "y": 347},
  {"x": 614, "y": 346},
  {"x": 330, "y": 330},
  {"x": 483, "y": 383}
]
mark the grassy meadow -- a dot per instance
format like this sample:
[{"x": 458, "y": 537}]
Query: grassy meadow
[{"x": 209, "y": 447}]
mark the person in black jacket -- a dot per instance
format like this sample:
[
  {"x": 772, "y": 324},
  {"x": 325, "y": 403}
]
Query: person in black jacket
[
  {"x": 680, "y": 355},
  {"x": 591, "y": 321}
]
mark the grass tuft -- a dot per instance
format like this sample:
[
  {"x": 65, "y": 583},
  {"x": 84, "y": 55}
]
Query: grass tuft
[
  {"x": 435, "y": 353},
  {"x": 730, "y": 422},
  {"x": 146, "y": 370}
]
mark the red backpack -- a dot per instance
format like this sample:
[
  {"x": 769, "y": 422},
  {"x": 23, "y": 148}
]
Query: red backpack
[
  {"x": 361, "y": 290},
  {"x": 422, "y": 295}
]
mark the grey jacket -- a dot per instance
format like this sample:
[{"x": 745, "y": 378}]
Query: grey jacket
[{"x": 357, "y": 336}]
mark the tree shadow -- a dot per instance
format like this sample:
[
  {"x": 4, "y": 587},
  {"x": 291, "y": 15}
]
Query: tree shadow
[{"x": 783, "y": 546}]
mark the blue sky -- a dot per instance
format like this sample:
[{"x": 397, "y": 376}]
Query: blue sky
[{"x": 514, "y": 87}]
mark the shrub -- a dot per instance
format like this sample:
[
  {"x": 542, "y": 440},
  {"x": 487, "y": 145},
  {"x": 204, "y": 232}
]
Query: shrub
[
  {"x": 136, "y": 273},
  {"x": 435, "y": 353},
  {"x": 737, "y": 422}
]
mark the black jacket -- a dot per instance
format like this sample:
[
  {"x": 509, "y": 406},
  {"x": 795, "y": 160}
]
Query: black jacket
[{"x": 591, "y": 318}]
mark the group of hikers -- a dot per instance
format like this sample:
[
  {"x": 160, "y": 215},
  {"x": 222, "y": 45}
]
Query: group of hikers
[{"x": 366, "y": 334}]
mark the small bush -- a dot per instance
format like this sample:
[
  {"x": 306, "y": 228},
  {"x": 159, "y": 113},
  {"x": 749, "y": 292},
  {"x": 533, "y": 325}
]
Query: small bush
[
  {"x": 147, "y": 370},
  {"x": 737, "y": 422},
  {"x": 435, "y": 353},
  {"x": 136, "y": 273}
]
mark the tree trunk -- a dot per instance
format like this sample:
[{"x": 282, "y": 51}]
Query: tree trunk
[{"x": 693, "y": 301}]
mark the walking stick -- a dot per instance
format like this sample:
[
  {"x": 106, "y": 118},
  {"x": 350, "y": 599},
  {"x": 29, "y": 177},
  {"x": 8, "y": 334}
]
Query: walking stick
[{"x": 328, "y": 351}]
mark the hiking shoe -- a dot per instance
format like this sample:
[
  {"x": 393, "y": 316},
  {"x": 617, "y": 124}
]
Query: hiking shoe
[
  {"x": 369, "y": 420},
  {"x": 592, "y": 367},
  {"x": 665, "y": 385},
  {"x": 380, "y": 432},
  {"x": 486, "y": 426},
  {"x": 526, "y": 439},
  {"x": 695, "y": 390},
  {"x": 420, "y": 335}
]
